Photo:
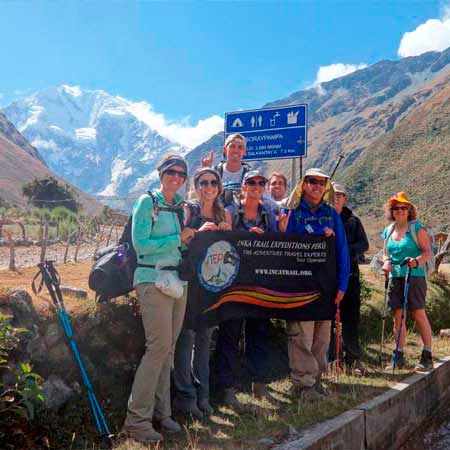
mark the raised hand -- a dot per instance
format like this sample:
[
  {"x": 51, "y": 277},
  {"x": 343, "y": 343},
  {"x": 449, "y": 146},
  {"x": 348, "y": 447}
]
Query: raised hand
[
  {"x": 283, "y": 220},
  {"x": 208, "y": 160}
]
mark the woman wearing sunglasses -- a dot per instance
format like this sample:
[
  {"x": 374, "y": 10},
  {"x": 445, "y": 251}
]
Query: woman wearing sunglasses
[
  {"x": 157, "y": 237},
  {"x": 407, "y": 238},
  {"x": 249, "y": 215},
  {"x": 205, "y": 213}
]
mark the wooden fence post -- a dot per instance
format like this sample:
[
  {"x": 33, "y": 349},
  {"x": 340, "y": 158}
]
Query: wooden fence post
[
  {"x": 44, "y": 242},
  {"x": 75, "y": 258},
  {"x": 12, "y": 252}
]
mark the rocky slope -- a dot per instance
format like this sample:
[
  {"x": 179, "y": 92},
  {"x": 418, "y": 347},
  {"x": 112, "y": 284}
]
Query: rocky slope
[
  {"x": 413, "y": 157},
  {"x": 20, "y": 163}
]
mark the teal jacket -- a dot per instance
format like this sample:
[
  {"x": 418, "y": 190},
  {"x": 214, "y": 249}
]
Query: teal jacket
[{"x": 156, "y": 237}]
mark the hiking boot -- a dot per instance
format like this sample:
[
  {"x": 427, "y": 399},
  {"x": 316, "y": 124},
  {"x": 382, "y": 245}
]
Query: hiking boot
[
  {"x": 400, "y": 363},
  {"x": 260, "y": 390},
  {"x": 426, "y": 362},
  {"x": 168, "y": 425},
  {"x": 188, "y": 407},
  {"x": 357, "y": 368},
  {"x": 230, "y": 399},
  {"x": 310, "y": 394},
  {"x": 148, "y": 436},
  {"x": 305, "y": 393},
  {"x": 205, "y": 407}
]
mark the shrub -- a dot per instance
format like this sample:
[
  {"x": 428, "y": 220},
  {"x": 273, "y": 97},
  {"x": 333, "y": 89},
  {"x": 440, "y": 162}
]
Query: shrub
[{"x": 23, "y": 393}]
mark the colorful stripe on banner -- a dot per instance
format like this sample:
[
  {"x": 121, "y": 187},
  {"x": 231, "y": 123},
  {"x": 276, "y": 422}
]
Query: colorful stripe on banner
[{"x": 266, "y": 298}]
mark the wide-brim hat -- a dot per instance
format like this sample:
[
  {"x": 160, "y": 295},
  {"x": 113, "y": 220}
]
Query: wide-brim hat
[
  {"x": 400, "y": 197},
  {"x": 339, "y": 188},
  {"x": 254, "y": 174},
  {"x": 295, "y": 196}
]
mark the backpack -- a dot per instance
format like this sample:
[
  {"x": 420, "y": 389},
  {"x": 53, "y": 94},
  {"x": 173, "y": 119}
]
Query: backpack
[
  {"x": 430, "y": 263},
  {"x": 112, "y": 273},
  {"x": 228, "y": 195},
  {"x": 239, "y": 217}
]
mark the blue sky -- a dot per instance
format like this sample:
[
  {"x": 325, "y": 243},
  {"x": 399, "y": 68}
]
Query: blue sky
[{"x": 196, "y": 60}]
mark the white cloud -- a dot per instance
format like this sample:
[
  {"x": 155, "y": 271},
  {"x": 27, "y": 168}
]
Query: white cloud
[
  {"x": 328, "y": 73},
  {"x": 433, "y": 35},
  {"x": 182, "y": 133}
]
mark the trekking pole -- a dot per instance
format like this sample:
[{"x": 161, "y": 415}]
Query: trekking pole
[
  {"x": 50, "y": 277},
  {"x": 340, "y": 158},
  {"x": 405, "y": 302},
  {"x": 383, "y": 320},
  {"x": 337, "y": 337}
]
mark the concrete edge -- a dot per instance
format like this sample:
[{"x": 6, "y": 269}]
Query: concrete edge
[{"x": 384, "y": 422}]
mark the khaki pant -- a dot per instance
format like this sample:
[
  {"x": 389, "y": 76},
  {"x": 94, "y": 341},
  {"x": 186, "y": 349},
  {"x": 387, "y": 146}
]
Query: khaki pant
[
  {"x": 162, "y": 317},
  {"x": 307, "y": 348}
]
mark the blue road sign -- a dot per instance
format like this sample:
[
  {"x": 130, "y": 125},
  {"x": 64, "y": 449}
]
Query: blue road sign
[{"x": 271, "y": 133}]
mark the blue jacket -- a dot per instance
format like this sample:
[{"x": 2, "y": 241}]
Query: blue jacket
[{"x": 303, "y": 221}]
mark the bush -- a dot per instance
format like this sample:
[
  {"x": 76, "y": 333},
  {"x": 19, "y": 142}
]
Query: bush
[{"x": 22, "y": 394}]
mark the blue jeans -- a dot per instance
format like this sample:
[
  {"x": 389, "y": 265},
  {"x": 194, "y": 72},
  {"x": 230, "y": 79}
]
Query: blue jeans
[{"x": 192, "y": 360}]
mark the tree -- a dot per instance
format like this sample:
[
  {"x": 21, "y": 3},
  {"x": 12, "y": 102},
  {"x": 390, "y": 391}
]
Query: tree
[{"x": 48, "y": 193}]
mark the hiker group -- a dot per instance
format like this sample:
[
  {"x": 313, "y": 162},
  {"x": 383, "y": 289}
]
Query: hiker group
[{"x": 234, "y": 197}]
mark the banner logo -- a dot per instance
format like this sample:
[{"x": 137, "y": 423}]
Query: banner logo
[{"x": 219, "y": 266}]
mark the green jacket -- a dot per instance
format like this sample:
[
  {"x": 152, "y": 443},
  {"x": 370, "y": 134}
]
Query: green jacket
[{"x": 156, "y": 239}]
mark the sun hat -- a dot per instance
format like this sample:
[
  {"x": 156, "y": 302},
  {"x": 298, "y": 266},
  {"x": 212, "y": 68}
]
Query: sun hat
[
  {"x": 316, "y": 172},
  {"x": 234, "y": 137},
  {"x": 295, "y": 196},
  {"x": 253, "y": 174},
  {"x": 400, "y": 197},
  {"x": 339, "y": 188}
]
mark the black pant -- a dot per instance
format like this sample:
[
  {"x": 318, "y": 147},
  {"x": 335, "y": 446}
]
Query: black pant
[
  {"x": 350, "y": 318},
  {"x": 256, "y": 350}
]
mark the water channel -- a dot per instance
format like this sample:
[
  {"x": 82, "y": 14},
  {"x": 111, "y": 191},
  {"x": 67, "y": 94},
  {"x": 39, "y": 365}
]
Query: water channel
[{"x": 435, "y": 435}]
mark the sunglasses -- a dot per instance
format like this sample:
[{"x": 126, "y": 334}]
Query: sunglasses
[
  {"x": 254, "y": 183},
  {"x": 206, "y": 183},
  {"x": 315, "y": 181},
  {"x": 400, "y": 208},
  {"x": 178, "y": 173}
]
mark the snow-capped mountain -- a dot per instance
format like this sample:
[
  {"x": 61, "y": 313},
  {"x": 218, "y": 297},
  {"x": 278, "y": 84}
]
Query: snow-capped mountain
[{"x": 98, "y": 142}]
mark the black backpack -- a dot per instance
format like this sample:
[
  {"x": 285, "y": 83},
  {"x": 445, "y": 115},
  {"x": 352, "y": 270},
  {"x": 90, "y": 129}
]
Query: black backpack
[{"x": 113, "y": 270}]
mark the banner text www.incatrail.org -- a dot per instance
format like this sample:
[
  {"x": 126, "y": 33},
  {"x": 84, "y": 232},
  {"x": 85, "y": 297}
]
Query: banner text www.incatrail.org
[{"x": 292, "y": 273}]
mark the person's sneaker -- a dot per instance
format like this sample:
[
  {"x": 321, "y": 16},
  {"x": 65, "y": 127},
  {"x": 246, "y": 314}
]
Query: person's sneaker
[
  {"x": 188, "y": 407},
  {"x": 400, "y": 363},
  {"x": 168, "y": 425},
  {"x": 230, "y": 399},
  {"x": 260, "y": 390},
  {"x": 426, "y": 362},
  {"x": 205, "y": 407},
  {"x": 148, "y": 436}
]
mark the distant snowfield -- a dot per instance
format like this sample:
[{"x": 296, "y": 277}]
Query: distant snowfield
[{"x": 103, "y": 144}]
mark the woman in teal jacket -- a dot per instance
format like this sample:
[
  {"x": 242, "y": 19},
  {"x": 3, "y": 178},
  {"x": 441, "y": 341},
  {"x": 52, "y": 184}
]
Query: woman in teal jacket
[{"x": 157, "y": 237}]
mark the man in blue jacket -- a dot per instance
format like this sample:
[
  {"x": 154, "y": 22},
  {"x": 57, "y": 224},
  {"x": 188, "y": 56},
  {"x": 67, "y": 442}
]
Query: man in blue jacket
[{"x": 308, "y": 341}]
